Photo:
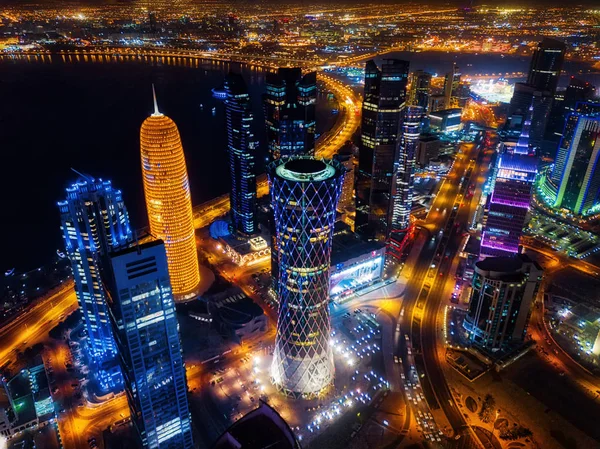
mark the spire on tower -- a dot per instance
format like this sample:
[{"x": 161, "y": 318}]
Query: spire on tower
[{"x": 156, "y": 111}]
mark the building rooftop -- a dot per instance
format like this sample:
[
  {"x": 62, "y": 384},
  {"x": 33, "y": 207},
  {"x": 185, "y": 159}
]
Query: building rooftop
[
  {"x": 348, "y": 245},
  {"x": 259, "y": 429}
]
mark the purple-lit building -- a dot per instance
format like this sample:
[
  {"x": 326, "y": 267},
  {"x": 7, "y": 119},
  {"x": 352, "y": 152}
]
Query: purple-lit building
[{"x": 508, "y": 205}]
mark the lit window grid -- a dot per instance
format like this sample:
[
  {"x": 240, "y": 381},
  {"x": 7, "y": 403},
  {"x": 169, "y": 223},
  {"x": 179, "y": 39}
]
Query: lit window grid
[
  {"x": 304, "y": 219},
  {"x": 168, "y": 201}
]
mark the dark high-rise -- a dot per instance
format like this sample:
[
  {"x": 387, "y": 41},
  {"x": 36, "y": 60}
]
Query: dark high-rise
[
  {"x": 289, "y": 107},
  {"x": 241, "y": 151},
  {"x": 539, "y": 90},
  {"x": 404, "y": 176},
  {"x": 525, "y": 96},
  {"x": 504, "y": 289},
  {"x": 546, "y": 64},
  {"x": 145, "y": 326},
  {"x": 384, "y": 99},
  {"x": 420, "y": 88}
]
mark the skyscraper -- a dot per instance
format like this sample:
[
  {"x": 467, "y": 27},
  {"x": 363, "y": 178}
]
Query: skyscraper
[
  {"x": 94, "y": 222},
  {"x": 146, "y": 331},
  {"x": 420, "y": 88},
  {"x": 384, "y": 99},
  {"x": 168, "y": 200},
  {"x": 546, "y": 63},
  {"x": 508, "y": 205},
  {"x": 304, "y": 195},
  {"x": 451, "y": 87},
  {"x": 504, "y": 289},
  {"x": 574, "y": 182},
  {"x": 524, "y": 97},
  {"x": 404, "y": 176},
  {"x": 539, "y": 90},
  {"x": 346, "y": 158},
  {"x": 241, "y": 150},
  {"x": 523, "y": 145},
  {"x": 289, "y": 107}
]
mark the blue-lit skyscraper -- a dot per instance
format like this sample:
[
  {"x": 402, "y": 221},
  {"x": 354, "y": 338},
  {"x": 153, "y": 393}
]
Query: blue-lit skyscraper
[
  {"x": 304, "y": 196},
  {"x": 142, "y": 312},
  {"x": 508, "y": 205},
  {"x": 241, "y": 149},
  {"x": 404, "y": 177},
  {"x": 94, "y": 222},
  {"x": 289, "y": 107}
]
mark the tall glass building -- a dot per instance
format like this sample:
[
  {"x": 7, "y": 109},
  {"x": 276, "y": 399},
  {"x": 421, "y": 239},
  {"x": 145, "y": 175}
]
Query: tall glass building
[
  {"x": 420, "y": 89},
  {"x": 143, "y": 317},
  {"x": 241, "y": 150},
  {"x": 508, "y": 205},
  {"x": 94, "y": 222},
  {"x": 546, "y": 64},
  {"x": 574, "y": 182},
  {"x": 452, "y": 86},
  {"x": 289, "y": 108},
  {"x": 504, "y": 289},
  {"x": 304, "y": 195},
  {"x": 168, "y": 200},
  {"x": 384, "y": 99},
  {"x": 404, "y": 177}
]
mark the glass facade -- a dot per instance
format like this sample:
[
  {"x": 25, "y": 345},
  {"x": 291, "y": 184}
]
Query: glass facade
[
  {"x": 241, "y": 149},
  {"x": 147, "y": 335},
  {"x": 404, "y": 176},
  {"x": 574, "y": 182},
  {"x": 504, "y": 289},
  {"x": 420, "y": 87},
  {"x": 508, "y": 205},
  {"x": 94, "y": 222},
  {"x": 304, "y": 195},
  {"x": 289, "y": 107},
  {"x": 384, "y": 100},
  {"x": 168, "y": 200}
]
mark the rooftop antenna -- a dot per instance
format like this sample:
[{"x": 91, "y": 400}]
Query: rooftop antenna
[
  {"x": 156, "y": 111},
  {"x": 86, "y": 177}
]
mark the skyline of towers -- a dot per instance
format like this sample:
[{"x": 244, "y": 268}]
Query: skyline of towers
[
  {"x": 384, "y": 99},
  {"x": 574, "y": 182},
  {"x": 504, "y": 289},
  {"x": 404, "y": 176},
  {"x": 145, "y": 326},
  {"x": 168, "y": 200},
  {"x": 508, "y": 205},
  {"x": 304, "y": 196},
  {"x": 241, "y": 152},
  {"x": 289, "y": 110},
  {"x": 94, "y": 221}
]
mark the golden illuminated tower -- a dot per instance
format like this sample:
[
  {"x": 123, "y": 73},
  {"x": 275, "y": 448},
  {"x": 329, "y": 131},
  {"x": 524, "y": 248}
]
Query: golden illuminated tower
[{"x": 168, "y": 200}]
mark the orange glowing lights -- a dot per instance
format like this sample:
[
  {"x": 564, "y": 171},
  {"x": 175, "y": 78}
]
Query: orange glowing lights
[{"x": 168, "y": 200}]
